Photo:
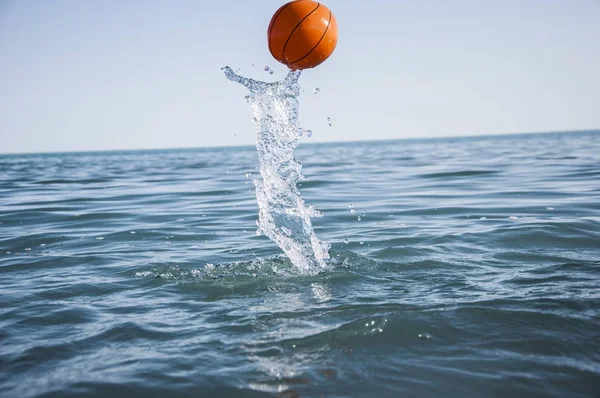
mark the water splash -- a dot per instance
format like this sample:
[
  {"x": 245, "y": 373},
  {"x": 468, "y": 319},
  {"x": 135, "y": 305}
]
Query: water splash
[{"x": 283, "y": 216}]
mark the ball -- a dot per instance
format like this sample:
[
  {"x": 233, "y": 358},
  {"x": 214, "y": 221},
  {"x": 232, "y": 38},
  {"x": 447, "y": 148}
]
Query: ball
[{"x": 302, "y": 34}]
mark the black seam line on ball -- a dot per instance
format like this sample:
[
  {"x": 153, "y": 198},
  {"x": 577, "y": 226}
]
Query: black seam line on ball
[
  {"x": 299, "y": 23},
  {"x": 273, "y": 24},
  {"x": 319, "y": 42}
]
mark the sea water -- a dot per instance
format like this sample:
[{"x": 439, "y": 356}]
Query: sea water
[{"x": 473, "y": 271}]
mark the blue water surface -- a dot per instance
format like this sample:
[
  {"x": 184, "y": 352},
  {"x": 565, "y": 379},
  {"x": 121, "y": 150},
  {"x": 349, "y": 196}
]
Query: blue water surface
[{"x": 466, "y": 267}]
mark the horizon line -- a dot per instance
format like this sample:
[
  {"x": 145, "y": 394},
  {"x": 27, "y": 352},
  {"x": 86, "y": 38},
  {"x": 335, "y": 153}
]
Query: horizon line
[{"x": 81, "y": 151}]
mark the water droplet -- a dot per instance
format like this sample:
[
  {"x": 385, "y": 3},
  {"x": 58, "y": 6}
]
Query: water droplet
[
  {"x": 513, "y": 218},
  {"x": 317, "y": 90},
  {"x": 309, "y": 133},
  {"x": 28, "y": 249},
  {"x": 7, "y": 252},
  {"x": 372, "y": 323},
  {"x": 483, "y": 218},
  {"x": 425, "y": 336},
  {"x": 270, "y": 72},
  {"x": 346, "y": 241},
  {"x": 229, "y": 171},
  {"x": 352, "y": 211},
  {"x": 43, "y": 244},
  {"x": 358, "y": 218},
  {"x": 361, "y": 242},
  {"x": 328, "y": 119},
  {"x": 132, "y": 232},
  {"x": 549, "y": 208},
  {"x": 267, "y": 68},
  {"x": 100, "y": 238},
  {"x": 350, "y": 206}
]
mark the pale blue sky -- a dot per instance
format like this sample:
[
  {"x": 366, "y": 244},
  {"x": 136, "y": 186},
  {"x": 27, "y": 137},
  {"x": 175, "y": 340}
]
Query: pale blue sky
[{"x": 114, "y": 74}]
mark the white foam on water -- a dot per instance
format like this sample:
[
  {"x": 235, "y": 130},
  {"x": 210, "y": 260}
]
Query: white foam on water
[{"x": 283, "y": 215}]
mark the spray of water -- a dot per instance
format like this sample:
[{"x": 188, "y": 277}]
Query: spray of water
[{"x": 283, "y": 216}]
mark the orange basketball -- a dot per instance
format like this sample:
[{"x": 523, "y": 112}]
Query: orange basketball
[{"x": 302, "y": 34}]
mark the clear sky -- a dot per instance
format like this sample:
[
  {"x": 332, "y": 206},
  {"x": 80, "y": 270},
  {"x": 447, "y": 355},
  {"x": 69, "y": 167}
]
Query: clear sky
[{"x": 114, "y": 74}]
